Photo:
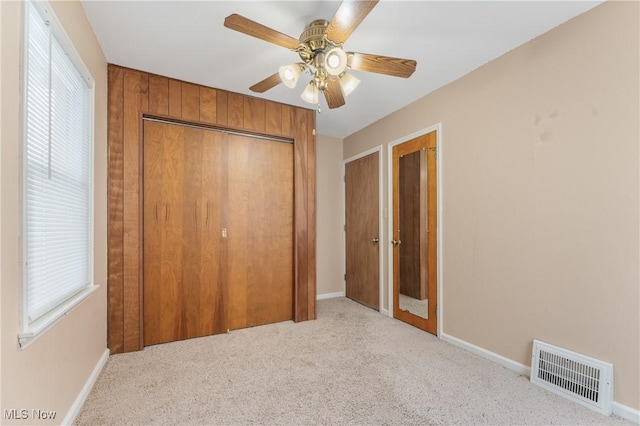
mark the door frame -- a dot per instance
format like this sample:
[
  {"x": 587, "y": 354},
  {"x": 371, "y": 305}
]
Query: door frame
[
  {"x": 439, "y": 157},
  {"x": 381, "y": 236}
]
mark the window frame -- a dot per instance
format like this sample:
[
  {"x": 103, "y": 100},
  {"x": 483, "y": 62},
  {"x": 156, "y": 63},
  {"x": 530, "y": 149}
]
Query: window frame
[{"x": 29, "y": 331}]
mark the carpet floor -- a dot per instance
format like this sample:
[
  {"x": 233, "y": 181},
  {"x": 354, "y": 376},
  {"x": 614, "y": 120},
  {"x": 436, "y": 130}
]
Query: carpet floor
[{"x": 350, "y": 366}]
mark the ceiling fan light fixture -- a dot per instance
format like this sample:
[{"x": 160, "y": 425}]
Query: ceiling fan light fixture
[
  {"x": 310, "y": 94},
  {"x": 289, "y": 74},
  {"x": 335, "y": 61},
  {"x": 323, "y": 58},
  {"x": 348, "y": 83}
]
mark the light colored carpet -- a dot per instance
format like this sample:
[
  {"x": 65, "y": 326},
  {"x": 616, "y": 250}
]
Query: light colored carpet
[{"x": 350, "y": 366}]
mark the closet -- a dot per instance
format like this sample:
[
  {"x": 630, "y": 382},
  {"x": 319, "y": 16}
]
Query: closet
[
  {"x": 217, "y": 231},
  {"x": 226, "y": 138}
]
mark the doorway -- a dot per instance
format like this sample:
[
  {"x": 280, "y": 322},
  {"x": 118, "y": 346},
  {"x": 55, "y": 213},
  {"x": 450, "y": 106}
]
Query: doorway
[
  {"x": 414, "y": 234},
  {"x": 362, "y": 229}
]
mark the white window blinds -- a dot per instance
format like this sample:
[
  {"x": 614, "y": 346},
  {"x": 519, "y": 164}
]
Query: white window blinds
[{"x": 57, "y": 172}]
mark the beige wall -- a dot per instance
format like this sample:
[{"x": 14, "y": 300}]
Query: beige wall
[
  {"x": 49, "y": 373},
  {"x": 540, "y": 179},
  {"x": 330, "y": 202}
]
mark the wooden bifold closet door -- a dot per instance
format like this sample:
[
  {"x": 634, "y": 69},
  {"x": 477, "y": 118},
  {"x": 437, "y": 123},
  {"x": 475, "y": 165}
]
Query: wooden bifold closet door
[{"x": 218, "y": 232}]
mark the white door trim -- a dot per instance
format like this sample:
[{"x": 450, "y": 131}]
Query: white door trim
[
  {"x": 373, "y": 150},
  {"x": 439, "y": 157}
]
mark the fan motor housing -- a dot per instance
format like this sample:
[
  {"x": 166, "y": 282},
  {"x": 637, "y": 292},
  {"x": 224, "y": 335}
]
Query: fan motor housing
[{"x": 313, "y": 35}]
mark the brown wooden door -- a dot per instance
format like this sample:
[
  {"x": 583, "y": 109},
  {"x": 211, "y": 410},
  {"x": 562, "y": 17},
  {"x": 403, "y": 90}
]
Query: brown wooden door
[
  {"x": 218, "y": 232},
  {"x": 362, "y": 228},
  {"x": 414, "y": 237},
  {"x": 260, "y": 232},
  {"x": 182, "y": 175}
]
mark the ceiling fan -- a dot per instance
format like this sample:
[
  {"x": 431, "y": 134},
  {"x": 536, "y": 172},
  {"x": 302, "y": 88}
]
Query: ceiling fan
[{"x": 322, "y": 55}]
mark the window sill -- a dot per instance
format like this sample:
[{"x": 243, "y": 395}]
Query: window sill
[{"x": 38, "y": 327}]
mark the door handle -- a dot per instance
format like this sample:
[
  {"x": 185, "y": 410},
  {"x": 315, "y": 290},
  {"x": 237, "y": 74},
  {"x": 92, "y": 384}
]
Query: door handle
[
  {"x": 375, "y": 240},
  {"x": 396, "y": 242}
]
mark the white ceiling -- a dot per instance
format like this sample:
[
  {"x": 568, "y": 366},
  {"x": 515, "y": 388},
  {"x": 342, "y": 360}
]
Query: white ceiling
[{"x": 187, "y": 40}]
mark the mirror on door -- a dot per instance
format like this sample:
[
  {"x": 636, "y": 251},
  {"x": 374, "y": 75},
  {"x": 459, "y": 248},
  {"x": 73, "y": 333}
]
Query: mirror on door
[
  {"x": 414, "y": 236},
  {"x": 413, "y": 292}
]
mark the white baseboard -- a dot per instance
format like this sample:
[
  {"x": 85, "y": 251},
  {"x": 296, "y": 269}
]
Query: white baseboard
[
  {"x": 619, "y": 410},
  {"x": 626, "y": 412},
  {"x": 330, "y": 295},
  {"x": 86, "y": 389},
  {"x": 491, "y": 356}
]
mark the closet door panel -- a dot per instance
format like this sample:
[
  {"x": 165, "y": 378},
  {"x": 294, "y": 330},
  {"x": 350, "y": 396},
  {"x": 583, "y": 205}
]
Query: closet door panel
[
  {"x": 189, "y": 205},
  {"x": 163, "y": 177},
  {"x": 213, "y": 194},
  {"x": 199, "y": 245},
  {"x": 182, "y": 298},
  {"x": 270, "y": 284},
  {"x": 260, "y": 239},
  {"x": 152, "y": 239},
  {"x": 238, "y": 229}
]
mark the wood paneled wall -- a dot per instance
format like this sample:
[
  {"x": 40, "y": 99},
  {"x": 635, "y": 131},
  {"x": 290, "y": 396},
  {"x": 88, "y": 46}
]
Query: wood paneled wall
[{"x": 134, "y": 94}]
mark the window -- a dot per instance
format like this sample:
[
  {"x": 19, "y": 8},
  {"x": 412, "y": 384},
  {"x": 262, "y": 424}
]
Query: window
[{"x": 57, "y": 174}]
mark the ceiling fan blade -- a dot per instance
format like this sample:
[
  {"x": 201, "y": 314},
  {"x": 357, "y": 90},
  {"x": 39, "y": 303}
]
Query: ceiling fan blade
[
  {"x": 396, "y": 67},
  {"x": 333, "y": 94},
  {"x": 252, "y": 28},
  {"x": 266, "y": 84},
  {"x": 347, "y": 18}
]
